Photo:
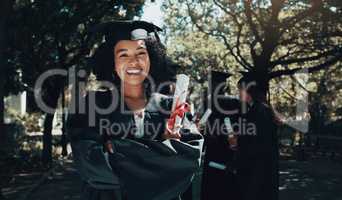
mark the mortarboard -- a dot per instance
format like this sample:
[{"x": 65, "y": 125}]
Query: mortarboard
[
  {"x": 115, "y": 31},
  {"x": 219, "y": 77},
  {"x": 254, "y": 76}
]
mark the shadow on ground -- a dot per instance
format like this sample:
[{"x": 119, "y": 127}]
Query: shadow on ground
[{"x": 310, "y": 180}]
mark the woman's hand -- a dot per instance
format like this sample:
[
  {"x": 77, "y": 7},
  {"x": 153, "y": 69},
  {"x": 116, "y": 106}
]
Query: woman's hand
[
  {"x": 109, "y": 147},
  {"x": 171, "y": 135}
]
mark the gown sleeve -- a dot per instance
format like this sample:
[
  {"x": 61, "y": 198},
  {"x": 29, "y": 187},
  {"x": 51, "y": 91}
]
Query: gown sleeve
[
  {"x": 90, "y": 159},
  {"x": 192, "y": 136}
]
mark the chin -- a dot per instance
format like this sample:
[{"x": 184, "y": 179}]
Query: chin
[{"x": 135, "y": 81}]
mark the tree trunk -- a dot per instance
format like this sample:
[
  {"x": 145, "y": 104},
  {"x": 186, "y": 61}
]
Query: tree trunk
[
  {"x": 2, "y": 95},
  {"x": 52, "y": 101},
  {"x": 263, "y": 82},
  {"x": 64, "y": 138},
  {"x": 2, "y": 108},
  {"x": 5, "y": 7},
  {"x": 47, "y": 140}
]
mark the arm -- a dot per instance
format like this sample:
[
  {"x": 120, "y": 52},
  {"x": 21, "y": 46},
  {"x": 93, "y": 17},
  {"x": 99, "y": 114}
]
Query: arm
[{"x": 87, "y": 147}]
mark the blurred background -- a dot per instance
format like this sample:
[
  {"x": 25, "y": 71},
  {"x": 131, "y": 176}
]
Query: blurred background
[{"x": 295, "y": 44}]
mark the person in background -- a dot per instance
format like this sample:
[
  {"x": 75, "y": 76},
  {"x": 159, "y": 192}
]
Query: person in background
[
  {"x": 219, "y": 174},
  {"x": 257, "y": 158}
]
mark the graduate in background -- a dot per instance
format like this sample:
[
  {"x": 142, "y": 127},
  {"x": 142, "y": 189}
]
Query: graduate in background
[
  {"x": 219, "y": 178},
  {"x": 257, "y": 170}
]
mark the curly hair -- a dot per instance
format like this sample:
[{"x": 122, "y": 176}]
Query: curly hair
[{"x": 161, "y": 70}]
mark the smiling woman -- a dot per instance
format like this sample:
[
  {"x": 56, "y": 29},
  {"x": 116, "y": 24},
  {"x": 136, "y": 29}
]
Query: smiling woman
[
  {"x": 132, "y": 61},
  {"x": 148, "y": 53},
  {"x": 130, "y": 154}
]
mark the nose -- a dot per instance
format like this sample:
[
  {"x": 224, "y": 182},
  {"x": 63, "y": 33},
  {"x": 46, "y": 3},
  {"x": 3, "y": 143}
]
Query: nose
[{"x": 134, "y": 61}]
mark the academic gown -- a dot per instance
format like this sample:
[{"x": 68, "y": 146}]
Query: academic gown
[
  {"x": 101, "y": 182},
  {"x": 219, "y": 183},
  {"x": 258, "y": 154}
]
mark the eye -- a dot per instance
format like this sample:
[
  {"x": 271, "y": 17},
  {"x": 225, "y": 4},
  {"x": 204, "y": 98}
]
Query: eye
[
  {"x": 123, "y": 55},
  {"x": 142, "y": 53}
]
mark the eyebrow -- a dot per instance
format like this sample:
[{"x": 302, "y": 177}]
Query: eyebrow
[
  {"x": 141, "y": 47},
  {"x": 121, "y": 50}
]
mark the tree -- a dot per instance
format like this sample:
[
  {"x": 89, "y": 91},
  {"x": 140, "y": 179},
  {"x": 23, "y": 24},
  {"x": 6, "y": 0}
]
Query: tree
[
  {"x": 53, "y": 35},
  {"x": 271, "y": 38},
  {"x": 326, "y": 100},
  {"x": 191, "y": 52},
  {"x": 5, "y": 8}
]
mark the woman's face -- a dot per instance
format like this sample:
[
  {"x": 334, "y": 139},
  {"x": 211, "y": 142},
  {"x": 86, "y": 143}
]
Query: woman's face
[{"x": 132, "y": 62}]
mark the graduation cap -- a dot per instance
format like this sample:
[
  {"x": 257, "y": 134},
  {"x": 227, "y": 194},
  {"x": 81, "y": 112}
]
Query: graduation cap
[
  {"x": 115, "y": 31},
  {"x": 219, "y": 77},
  {"x": 252, "y": 76},
  {"x": 254, "y": 81}
]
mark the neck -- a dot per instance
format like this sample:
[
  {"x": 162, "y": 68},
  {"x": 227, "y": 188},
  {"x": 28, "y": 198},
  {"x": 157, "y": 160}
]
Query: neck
[{"x": 133, "y": 91}]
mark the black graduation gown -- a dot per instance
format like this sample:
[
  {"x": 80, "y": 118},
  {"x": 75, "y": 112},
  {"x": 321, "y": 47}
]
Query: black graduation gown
[
  {"x": 217, "y": 183},
  {"x": 258, "y": 155},
  {"x": 100, "y": 180}
]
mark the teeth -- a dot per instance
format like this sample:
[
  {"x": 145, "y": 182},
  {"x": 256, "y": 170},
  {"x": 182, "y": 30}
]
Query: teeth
[{"x": 133, "y": 71}]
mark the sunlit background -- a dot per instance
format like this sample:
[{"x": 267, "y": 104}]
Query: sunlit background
[{"x": 276, "y": 39}]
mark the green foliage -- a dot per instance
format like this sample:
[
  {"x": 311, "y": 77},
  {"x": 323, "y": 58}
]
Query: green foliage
[
  {"x": 43, "y": 35},
  {"x": 277, "y": 38},
  {"x": 191, "y": 52},
  {"x": 31, "y": 121},
  {"x": 274, "y": 38},
  {"x": 53, "y": 34}
]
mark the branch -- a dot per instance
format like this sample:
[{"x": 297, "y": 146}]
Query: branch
[
  {"x": 276, "y": 8},
  {"x": 299, "y": 83},
  {"x": 288, "y": 93},
  {"x": 335, "y": 34},
  {"x": 228, "y": 12},
  {"x": 306, "y": 59},
  {"x": 327, "y": 64},
  {"x": 252, "y": 50},
  {"x": 225, "y": 40},
  {"x": 240, "y": 27},
  {"x": 271, "y": 31},
  {"x": 237, "y": 46},
  {"x": 248, "y": 13},
  {"x": 289, "y": 23}
]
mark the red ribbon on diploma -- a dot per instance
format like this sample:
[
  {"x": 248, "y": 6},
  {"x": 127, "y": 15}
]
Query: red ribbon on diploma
[{"x": 179, "y": 111}]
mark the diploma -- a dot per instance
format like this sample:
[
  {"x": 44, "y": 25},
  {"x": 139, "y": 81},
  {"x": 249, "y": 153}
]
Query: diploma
[
  {"x": 205, "y": 117},
  {"x": 179, "y": 105},
  {"x": 217, "y": 165},
  {"x": 228, "y": 125}
]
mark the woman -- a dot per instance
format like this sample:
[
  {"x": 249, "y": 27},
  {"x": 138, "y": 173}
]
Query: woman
[{"x": 133, "y": 60}]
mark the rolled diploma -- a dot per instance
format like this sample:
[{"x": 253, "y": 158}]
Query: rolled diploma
[
  {"x": 228, "y": 125},
  {"x": 217, "y": 165},
  {"x": 179, "y": 97},
  {"x": 205, "y": 117}
]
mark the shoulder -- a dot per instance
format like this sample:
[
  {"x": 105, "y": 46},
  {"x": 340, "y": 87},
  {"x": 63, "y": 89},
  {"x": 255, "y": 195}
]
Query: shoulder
[
  {"x": 102, "y": 98},
  {"x": 79, "y": 115},
  {"x": 264, "y": 109},
  {"x": 159, "y": 102}
]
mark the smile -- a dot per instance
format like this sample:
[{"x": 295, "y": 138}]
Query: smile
[{"x": 134, "y": 71}]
